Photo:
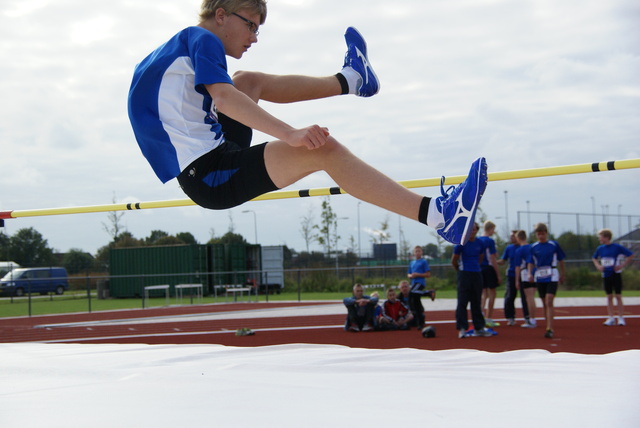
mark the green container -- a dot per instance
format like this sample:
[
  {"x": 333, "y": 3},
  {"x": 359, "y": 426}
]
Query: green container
[
  {"x": 132, "y": 269},
  {"x": 236, "y": 261},
  {"x": 217, "y": 265}
]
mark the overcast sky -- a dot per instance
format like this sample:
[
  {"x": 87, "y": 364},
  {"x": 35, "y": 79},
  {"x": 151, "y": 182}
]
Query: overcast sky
[{"x": 527, "y": 84}]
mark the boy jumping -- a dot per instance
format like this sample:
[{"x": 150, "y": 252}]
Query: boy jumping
[{"x": 192, "y": 122}]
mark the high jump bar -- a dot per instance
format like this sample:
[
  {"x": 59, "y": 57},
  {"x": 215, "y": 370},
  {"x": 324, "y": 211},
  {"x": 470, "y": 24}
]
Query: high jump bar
[{"x": 326, "y": 191}]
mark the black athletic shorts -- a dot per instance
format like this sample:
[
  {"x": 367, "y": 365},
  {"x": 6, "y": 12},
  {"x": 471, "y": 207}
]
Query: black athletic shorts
[
  {"x": 545, "y": 288},
  {"x": 489, "y": 277},
  {"x": 613, "y": 284},
  {"x": 227, "y": 176}
]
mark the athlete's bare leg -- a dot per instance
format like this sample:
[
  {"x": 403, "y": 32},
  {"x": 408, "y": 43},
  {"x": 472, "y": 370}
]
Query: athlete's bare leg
[
  {"x": 285, "y": 89},
  {"x": 286, "y": 165}
]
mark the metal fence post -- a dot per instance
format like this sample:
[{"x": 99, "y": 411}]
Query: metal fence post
[{"x": 89, "y": 292}]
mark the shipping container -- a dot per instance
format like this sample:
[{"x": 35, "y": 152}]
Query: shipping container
[
  {"x": 272, "y": 268},
  {"x": 132, "y": 269},
  {"x": 212, "y": 265}
]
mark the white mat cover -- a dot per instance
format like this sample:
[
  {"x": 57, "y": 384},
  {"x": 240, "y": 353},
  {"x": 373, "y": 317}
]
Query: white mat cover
[{"x": 78, "y": 385}]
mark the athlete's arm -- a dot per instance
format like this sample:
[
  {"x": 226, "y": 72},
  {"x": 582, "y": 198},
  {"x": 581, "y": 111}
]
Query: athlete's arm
[{"x": 240, "y": 107}]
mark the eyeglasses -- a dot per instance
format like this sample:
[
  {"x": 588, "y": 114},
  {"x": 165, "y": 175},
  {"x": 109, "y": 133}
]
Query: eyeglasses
[{"x": 250, "y": 25}]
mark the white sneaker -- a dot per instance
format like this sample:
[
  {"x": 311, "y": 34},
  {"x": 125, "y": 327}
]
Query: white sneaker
[
  {"x": 462, "y": 333},
  {"x": 621, "y": 321},
  {"x": 610, "y": 321},
  {"x": 483, "y": 333},
  {"x": 529, "y": 324}
]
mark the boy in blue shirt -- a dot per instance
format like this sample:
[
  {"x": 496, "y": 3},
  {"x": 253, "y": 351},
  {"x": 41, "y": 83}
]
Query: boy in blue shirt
[
  {"x": 490, "y": 273},
  {"x": 193, "y": 122},
  {"x": 610, "y": 259},
  {"x": 547, "y": 258},
  {"x": 418, "y": 273},
  {"x": 466, "y": 262},
  {"x": 511, "y": 292},
  {"x": 527, "y": 289}
]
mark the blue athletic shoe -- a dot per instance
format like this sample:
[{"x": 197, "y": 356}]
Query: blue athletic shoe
[
  {"x": 458, "y": 205},
  {"x": 356, "y": 59}
]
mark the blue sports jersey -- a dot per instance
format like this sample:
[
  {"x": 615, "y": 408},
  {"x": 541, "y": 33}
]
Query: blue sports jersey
[
  {"x": 545, "y": 258},
  {"x": 418, "y": 266},
  {"x": 490, "y": 248},
  {"x": 172, "y": 114},
  {"x": 470, "y": 255},
  {"x": 610, "y": 256},
  {"x": 508, "y": 255},
  {"x": 521, "y": 258}
]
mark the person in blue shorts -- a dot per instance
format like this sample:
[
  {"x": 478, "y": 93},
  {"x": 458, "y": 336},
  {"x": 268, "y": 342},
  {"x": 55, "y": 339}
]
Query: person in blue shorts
[
  {"x": 186, "y": 111},
  {"x": 466, "y": 262},
  {"x": 418, "y": 272},
  {"x": 490, "y": 273},
  {"x": 547, "y": 258},
  {"x": 511, "y": 291},
  {"x": 610, "y": 259}
]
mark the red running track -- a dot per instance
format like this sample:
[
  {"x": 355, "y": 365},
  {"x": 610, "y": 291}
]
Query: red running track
[{"x": 578, "y": 330}]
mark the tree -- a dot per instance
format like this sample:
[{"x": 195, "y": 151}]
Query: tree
[
  {"x": 328, "y": 227},
  {"x": 28, "y": 248},
  {"x": 578, "y": 246},
  {"x": 187, "y": 238},
  {"x": 431, "y": 250},
  {"x": 76, "y": 261},
  {"x": 440, "y": 242},
  {"x": 114, "y": 228},
  {"x": 126, "y": 239},
  {"x": 155, "y": 236},
  {"x": 404, "y": 246},
  {"x": 306, "y": 227},
  {"x": 169, "y": 240},
  {"x": 4, "y": 247},
  {"x": 382, "y": 235},
  {"x": 229, "y": 238}
]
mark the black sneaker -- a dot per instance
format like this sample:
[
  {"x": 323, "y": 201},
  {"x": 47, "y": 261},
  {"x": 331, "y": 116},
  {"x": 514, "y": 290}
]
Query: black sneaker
[{"x": 548, "y": 334}]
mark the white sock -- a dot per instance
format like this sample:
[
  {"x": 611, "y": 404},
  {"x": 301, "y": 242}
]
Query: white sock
[
  {"x": 353, "y": 78},
  {"x": 435, "y": 218}
]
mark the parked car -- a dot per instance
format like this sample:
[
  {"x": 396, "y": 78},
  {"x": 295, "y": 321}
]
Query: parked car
[{"x": 21, "y": 281}]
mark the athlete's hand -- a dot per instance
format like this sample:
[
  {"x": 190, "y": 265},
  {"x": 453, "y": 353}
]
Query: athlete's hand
[{"x": 311, "y": 137}]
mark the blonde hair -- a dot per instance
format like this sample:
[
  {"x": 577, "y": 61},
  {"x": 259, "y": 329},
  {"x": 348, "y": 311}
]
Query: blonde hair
[
  {"x": 209, "y": 7},
  {"x": 606, "y": 233},
  {"x": 541, "y": 227},
  {"x": 488, "y": 225}
]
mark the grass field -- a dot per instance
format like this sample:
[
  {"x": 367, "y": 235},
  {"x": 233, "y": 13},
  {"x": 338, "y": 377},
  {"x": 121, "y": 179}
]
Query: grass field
[{"x": 78, "y": 302}]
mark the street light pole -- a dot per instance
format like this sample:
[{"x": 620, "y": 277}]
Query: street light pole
[
  {"x": 255, "y": 223},
  {"x": 359, "y": 250},
  {"x": 506, "y": 210},
  {"x": 337, "y": 239},
  {"x": 593, "y": 212}
]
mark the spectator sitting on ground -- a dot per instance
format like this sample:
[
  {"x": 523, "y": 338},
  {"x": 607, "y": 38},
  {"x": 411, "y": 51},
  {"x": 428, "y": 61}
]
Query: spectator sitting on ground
[
  {"x": 395, "y": 314},
  {"x": 360, "y": 309},
  {"x": 377, "y": 311},
  {"x": 407, "y": 298}
]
